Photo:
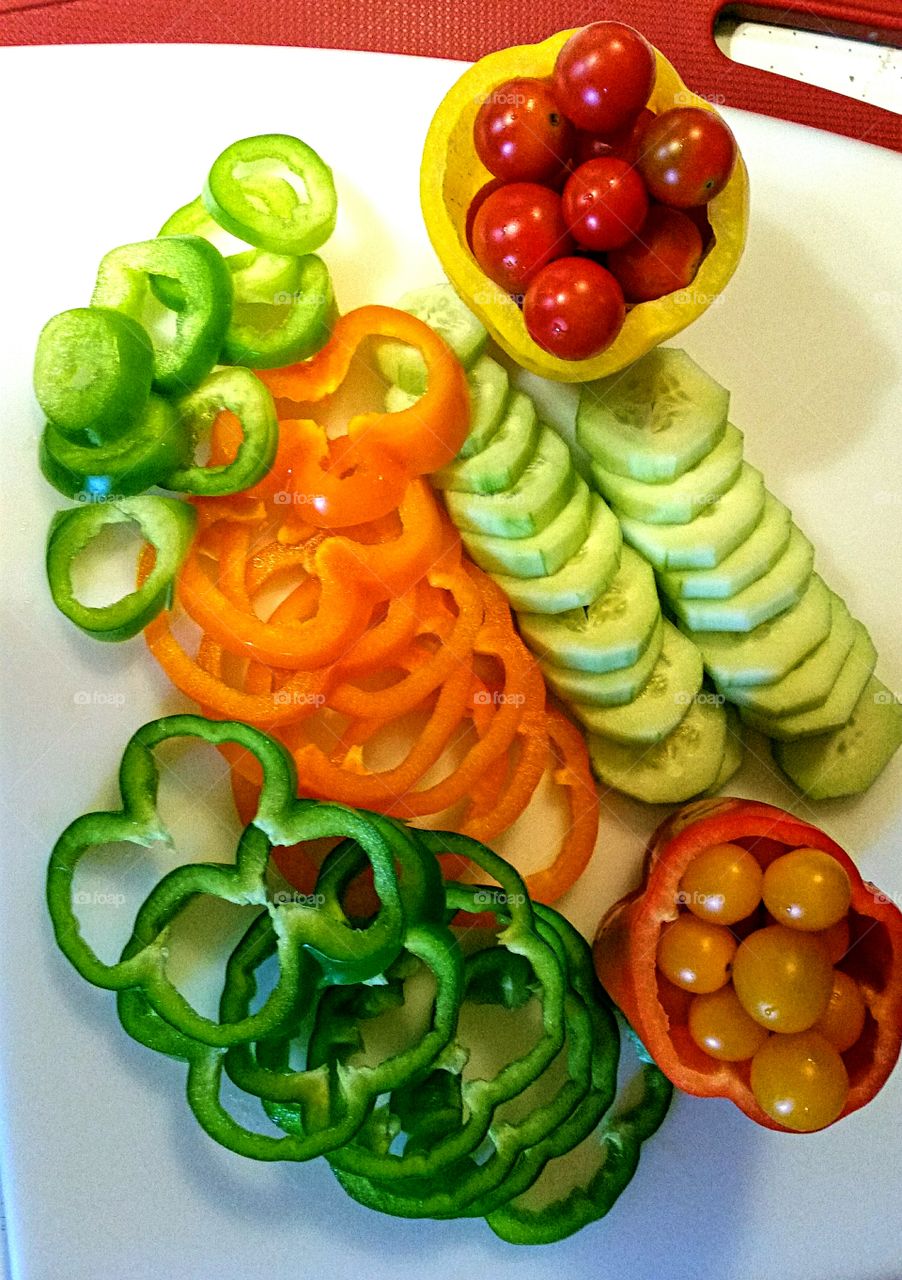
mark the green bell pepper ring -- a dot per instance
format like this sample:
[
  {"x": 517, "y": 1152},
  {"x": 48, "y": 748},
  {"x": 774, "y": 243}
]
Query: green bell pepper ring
[
  {"x": 168, "y": 525},
  {"x": 154, "y": 446},
  {"x": 201, "y": 321},
  {"x": 92, "y": 372},
  {"x": 256, "y": 275},
  {"x": 289, "y": 327},
  {"x": 245, "y": 193},
  {"x": 244, "y": 395}
]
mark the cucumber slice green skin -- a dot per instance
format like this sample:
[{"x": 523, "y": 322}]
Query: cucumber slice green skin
[
  {"x": 439, "y": 307},
  {"x": 766, "y": 654},
  {"x": 680, "y": 500},
  {"x": 778, "y": 590},
  {"x": 585, "y": 576},
  {"x": 683, "y": 765},
  {"x": 839, "y": 705},
  {"x": 749, "y": 562},
  {"x": 546, "y": 551},
  {"x": 543, "y": 490},
  {"x": 654, "y": 420},
  {"x": 734, "y": 750},
  {"x": 612, "y": 633},
  {"x": 664, "y": 701},
  {"x": 501, "y": 463},
  {"x": 809, "y": 683},
  {"x": 606, "y": 688},
  {"x": 708, "y": 539},
  {"x": 846, "y": 761}
]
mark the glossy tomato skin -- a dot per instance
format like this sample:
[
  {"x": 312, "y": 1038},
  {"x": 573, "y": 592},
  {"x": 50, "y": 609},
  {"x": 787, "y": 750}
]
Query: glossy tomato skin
[
  {"x": 663, "y": 257},
  {"x": 574, "y": 308},
  {"x": 686, "y": 156},
  {"x": 517, "y": 230},
  {"x": 604, "y": 76},
  {"x": 476, "y": 204},
  {"x": 520, "y": 133},
  {"x": 624, "y": 144},
  {"x": 604, "y": 203}
]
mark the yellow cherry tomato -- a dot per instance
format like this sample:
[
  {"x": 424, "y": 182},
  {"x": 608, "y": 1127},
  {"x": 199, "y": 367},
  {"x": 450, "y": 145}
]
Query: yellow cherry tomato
[
  {"x": 722, "y": 884},
  {"x": 836, "y": 939},
  {"x": 843, "y": 1021},
  {"x": 719, "y": 1025},
  {"x": 783, "y": 978},
  {"x": 800, "y": 1081},
  {"x": 807, "y": 889},
  {"x": 696, "y": 955}
]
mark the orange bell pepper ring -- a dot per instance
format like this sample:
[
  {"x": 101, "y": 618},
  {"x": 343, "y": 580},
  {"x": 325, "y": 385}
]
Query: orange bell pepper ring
[{"x": 422, "y": 438}]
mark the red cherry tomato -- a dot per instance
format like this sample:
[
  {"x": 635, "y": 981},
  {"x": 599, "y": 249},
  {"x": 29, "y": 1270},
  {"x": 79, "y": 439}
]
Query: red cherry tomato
[
  {"x": 686, "y": 157},
  {"x": 623, "y": 144},
  {"x": 604, "y": 203},
  {"x": 517, "y": 230},
  {"x": 664, "y": 256},
  {"x": 476, "y": 204},
  {"x": 573, "y": 308},
  {"x": 604, "y": 76},
  {"x": 520, "y": 133}
]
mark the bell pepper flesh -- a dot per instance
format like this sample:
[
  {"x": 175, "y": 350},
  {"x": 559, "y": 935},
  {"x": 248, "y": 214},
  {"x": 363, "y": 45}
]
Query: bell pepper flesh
[{"x": 240, "y": 393}]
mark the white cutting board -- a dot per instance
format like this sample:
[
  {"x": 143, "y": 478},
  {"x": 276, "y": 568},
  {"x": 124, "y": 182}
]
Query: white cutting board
[{"x": 104, "y": 1173}]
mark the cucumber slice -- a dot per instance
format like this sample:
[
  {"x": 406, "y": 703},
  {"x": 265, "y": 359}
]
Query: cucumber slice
[
  {"x": 583, "y": 578},
  {"x": 680, "y": 500},
  {"x": 840, "y": 702},
  {"x": 439, "y": 307},
  {"x": 613, "y": 632},
  {"x": 662, "y": 703},
  {"x": 489, "y": 387},
  {"x": 808, "y": 684},
  {"x": 847, "y": 761},
  {"x": 779, "y": 589},
  {"x": 686, "y": 762},
  {"x": 605, "y": 688},
  {"x": 504, "y": 459},
  {"x": 542, "y": 491},
  {"x": 766, "y": 654},
  {"x": 546, "y": 551},
  {"x": 655, "y": 419},
  {"x": 734, "y": 750},
  {"x": 711, "y": 536},
  {"x": 750, "y": 561}
]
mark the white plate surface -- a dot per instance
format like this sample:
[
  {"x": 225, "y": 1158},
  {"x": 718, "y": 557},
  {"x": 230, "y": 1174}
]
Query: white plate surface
[{"x": 104, "y": 1173}]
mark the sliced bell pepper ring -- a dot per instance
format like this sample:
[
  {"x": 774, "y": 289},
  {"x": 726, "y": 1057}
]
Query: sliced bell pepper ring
[
  {"x": 344, "y": 610},
  {"x": 626, "y": 946},
  {"x": 239, "y": 392},
  {"x": 289, "y": 326},
  {"x": 246, "y": 194},
  {"x": 201, "y": 321},
  {"x": 151, "y": 448},
  {"x": 424, "y": 437},
  {"x": 92, "y": 373},
  {"x": 165, "y": 523}
]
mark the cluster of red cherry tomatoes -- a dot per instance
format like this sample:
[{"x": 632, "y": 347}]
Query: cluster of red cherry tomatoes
[{"x": 596, "y": 202}]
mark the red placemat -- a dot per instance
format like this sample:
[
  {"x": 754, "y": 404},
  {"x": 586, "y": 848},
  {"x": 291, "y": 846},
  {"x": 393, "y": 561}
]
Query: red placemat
[{"x": 469, "y": 28}]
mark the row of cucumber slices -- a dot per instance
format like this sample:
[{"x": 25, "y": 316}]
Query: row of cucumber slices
[
  {"x": 587, "y": 604},
  {"x": 742, "y": 601},
  {"x": 737, "y": 573}
]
